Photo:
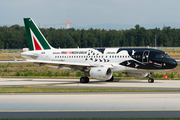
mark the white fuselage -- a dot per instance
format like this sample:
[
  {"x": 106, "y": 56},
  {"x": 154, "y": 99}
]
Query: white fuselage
[{"x": 88, "y": 56}]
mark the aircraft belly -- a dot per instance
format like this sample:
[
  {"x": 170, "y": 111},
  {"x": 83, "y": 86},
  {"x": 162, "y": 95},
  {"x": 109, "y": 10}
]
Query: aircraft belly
[{"x": 119, "y": 68}]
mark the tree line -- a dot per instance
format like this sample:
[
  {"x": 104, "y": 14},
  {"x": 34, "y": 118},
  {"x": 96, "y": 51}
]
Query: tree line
[{"x": 15, "y": 37}]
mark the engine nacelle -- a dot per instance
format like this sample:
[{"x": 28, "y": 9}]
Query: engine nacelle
[
  {"x": 101, "y": 73},
  {"x": 138, "y": 74}
]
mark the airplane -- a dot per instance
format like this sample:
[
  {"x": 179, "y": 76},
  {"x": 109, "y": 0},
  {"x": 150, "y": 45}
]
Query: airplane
[{"x": 97, "y": 63}]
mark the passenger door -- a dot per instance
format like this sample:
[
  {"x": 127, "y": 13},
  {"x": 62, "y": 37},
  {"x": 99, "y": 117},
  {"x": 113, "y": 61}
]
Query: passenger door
[{"x": 145, "y": 56}]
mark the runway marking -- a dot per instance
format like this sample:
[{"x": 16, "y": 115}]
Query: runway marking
[
  {"x": 53, "y": 84},
  {"x": 89, "y": 110},
  {"x": 148, "y": 99}
]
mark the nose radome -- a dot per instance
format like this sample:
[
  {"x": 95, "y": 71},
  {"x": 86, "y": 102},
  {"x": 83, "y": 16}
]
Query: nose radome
[{"x": 174, "y": 63}]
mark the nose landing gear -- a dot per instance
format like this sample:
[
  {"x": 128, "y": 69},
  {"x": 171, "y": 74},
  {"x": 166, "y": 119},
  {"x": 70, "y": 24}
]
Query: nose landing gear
[{"x": 150, "y": 80}]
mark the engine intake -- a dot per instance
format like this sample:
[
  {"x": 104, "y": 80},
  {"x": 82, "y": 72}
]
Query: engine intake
[{"x": 101, "y": 73}]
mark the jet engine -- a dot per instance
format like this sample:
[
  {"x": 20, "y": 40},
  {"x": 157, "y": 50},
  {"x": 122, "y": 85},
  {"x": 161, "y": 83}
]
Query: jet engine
[
  {"x": 101, "y": 73},
  {"x": 138, "y": 74}
]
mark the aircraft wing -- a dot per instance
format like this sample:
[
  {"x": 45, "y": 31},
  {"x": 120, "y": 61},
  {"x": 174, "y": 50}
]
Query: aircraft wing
[
  {"x": 71, "y": 65},
  {"x": 59, "y": 63},
  {"x": 55, "y": 64},
  {"x": 13, "y": 61}
]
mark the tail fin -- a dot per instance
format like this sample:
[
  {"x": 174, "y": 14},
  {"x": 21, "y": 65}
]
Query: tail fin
[{"x": 36, "y": 40}]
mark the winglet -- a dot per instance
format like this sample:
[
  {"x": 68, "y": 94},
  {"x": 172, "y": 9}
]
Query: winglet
[{"x": 15, "y": 59}]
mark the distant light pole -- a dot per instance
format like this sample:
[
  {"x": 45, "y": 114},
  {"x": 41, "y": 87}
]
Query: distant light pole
[
  {"x": 101, "y": 41},
  {"x": 155, "y": 42}
]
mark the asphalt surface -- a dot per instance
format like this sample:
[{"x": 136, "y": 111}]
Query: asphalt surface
[
  {"x": 74, "y": 83},
  {"x": 90, "y": 105},
  {"x": 90, "y": 114}
]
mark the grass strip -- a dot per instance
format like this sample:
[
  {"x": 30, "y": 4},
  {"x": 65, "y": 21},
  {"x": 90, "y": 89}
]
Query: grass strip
[{"x": 72, "y": 90}]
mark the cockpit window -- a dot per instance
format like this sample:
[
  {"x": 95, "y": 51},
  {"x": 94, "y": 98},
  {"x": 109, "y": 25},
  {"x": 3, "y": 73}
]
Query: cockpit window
[
  {"x": 162, "y": 56},
  {"x": 166, "y": 56}
]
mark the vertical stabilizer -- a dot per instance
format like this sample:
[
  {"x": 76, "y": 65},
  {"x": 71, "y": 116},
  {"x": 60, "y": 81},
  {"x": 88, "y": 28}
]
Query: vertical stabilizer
[{"x": 36, "y": 40}]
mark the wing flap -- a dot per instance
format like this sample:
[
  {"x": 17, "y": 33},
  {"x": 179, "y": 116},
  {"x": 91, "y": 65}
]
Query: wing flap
[{"x": 66, "y": 64}]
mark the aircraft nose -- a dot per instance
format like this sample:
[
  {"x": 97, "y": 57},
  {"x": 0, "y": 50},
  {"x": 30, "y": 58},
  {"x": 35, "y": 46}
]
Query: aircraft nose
[{"x": 173, "y": 63}]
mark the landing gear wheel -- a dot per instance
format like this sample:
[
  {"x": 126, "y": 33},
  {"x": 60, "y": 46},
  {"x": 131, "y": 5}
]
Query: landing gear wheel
[
  {"x": 87, "y": 79},
  {"x": 110, "y": 80},
  {"x": 150, "y": 80},
  {"x": 84, "y": 79}
]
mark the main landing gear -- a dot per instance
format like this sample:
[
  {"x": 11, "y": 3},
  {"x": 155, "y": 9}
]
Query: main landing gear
[
  {"x": 150, "y": 80},
  {"x": 84, "y": 79}
]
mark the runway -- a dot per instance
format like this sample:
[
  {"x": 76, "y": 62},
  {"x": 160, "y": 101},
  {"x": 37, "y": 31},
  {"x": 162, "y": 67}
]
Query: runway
[
  {"x": 91, "y": 105},
  {"x": 74, "y": 83}
]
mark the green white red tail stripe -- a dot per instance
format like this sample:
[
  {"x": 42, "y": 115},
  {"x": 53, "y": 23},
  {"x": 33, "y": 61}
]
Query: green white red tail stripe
[{"x": 36, "y": 40}]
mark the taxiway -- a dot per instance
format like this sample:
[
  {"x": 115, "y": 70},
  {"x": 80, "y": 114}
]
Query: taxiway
[
  {"x": 90, "y": 105},
  {"x": 74, "y": 83}
]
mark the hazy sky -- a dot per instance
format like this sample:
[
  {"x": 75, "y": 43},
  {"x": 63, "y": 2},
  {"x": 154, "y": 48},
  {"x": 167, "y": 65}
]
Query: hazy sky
[{"x": 89, "y": 12}]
